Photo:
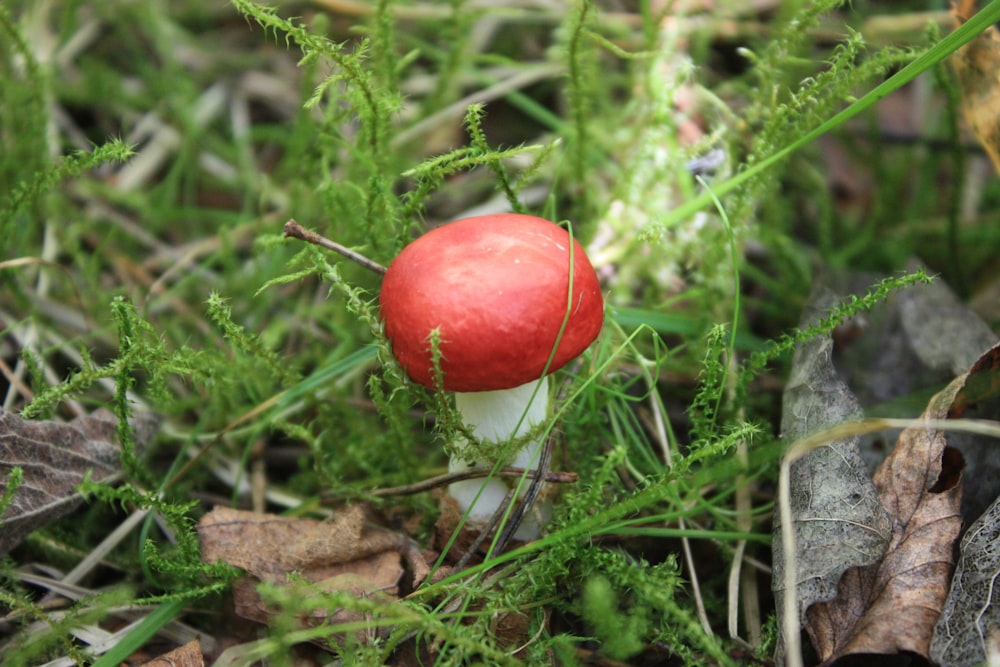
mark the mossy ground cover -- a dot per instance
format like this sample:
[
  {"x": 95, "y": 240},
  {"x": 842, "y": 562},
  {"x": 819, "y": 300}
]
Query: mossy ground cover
[{"x": 151, "y": 152}]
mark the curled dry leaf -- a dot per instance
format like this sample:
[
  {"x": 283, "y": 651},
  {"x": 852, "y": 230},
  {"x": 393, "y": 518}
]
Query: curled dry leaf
[
  {"x": 977, "y": 65},
  {"x": 970, "y": 618},
  {"x": 893, "y": 606},
  {"x": 945, "y": 335},
  {"x": 969, "y": 626},
  {"x": 838, "y": 520},
  {"x": 904, "y": 351},
  {"x": 341, "y": 554},
  {"x": 55, "y": 457}
]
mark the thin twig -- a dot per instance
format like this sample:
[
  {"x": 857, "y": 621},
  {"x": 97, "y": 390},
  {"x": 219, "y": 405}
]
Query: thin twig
[
  {"x": 486, "y": 531},
  {"x": 297, "y": 231},
  {"x": 555, "y": 477},
  {"x": 528, "y": 501}
]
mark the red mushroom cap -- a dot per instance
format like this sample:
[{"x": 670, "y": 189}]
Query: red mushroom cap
[{"x": 496, "y": 288}]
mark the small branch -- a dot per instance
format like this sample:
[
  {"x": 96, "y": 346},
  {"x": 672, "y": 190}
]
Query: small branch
[
  {"x": 452, "y": 477},
  {"x": 526, "y": 502},
  {"x": 295, "y": 230},
  {"x": 486, "y": 531}
]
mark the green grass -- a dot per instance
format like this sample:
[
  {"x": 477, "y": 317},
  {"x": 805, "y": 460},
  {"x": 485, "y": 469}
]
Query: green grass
[{"x": 151, "y": 152}]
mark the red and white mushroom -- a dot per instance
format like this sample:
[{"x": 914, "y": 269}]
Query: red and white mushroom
[{"x": 496, "y": 290}]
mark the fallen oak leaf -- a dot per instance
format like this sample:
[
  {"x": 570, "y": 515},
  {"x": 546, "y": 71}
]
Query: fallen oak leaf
[
  {"x": 54, "y": 458},
  {"x": 892, "y": 606},
  {"x": 896, "y": 356}
]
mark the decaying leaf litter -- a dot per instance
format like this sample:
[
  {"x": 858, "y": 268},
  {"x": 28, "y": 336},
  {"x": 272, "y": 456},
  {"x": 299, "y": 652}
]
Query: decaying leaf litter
[
  {"x": 911, "y": 512},
  {"x": 874, "y": 554},
  {"x": 978, "y": 67},
  {"x": 52, "y": 460},
  {"x": 339, "y": 554}
]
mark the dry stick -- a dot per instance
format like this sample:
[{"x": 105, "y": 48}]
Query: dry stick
[
  {"x": 297, "y": 231},
  {"x": 452, "y": 477},
  {"x": 538, "y": 475},
  {"x": 486, "y": 530},
  {"x": 527, "y": 501},
  {"x": 16, "y": 382}
]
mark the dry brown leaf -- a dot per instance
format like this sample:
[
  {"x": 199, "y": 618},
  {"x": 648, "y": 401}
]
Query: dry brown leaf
[
  {"x": 189, "y": 655},
  {"x": 977, "y": 65},
  {"x": 55, "y": 457},
  {"x": 342, "y": 554},
  {"x": 839, "y": 522},
  {"x": 981, "y": 383},
  {"x": 970, "y": 622},
  {"x": 266, "y": 544},
  {"x": 967, "y": 630},
  {"x": 376, "y": 576},
  {"x": 892, "y": 606},
  {"x": 447, "y": 523}
]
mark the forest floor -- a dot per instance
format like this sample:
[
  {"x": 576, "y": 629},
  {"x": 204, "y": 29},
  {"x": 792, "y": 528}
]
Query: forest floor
[{"x": 210, "y": 456}]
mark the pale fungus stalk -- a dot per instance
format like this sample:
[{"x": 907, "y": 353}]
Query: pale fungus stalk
[{"x": 500, "y": 416}]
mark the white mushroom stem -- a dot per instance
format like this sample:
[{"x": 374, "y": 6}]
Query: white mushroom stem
[{"x": 499, "y": 416}]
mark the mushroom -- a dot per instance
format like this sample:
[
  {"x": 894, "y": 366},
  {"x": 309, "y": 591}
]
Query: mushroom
[{"x": 493, "y": 291}]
